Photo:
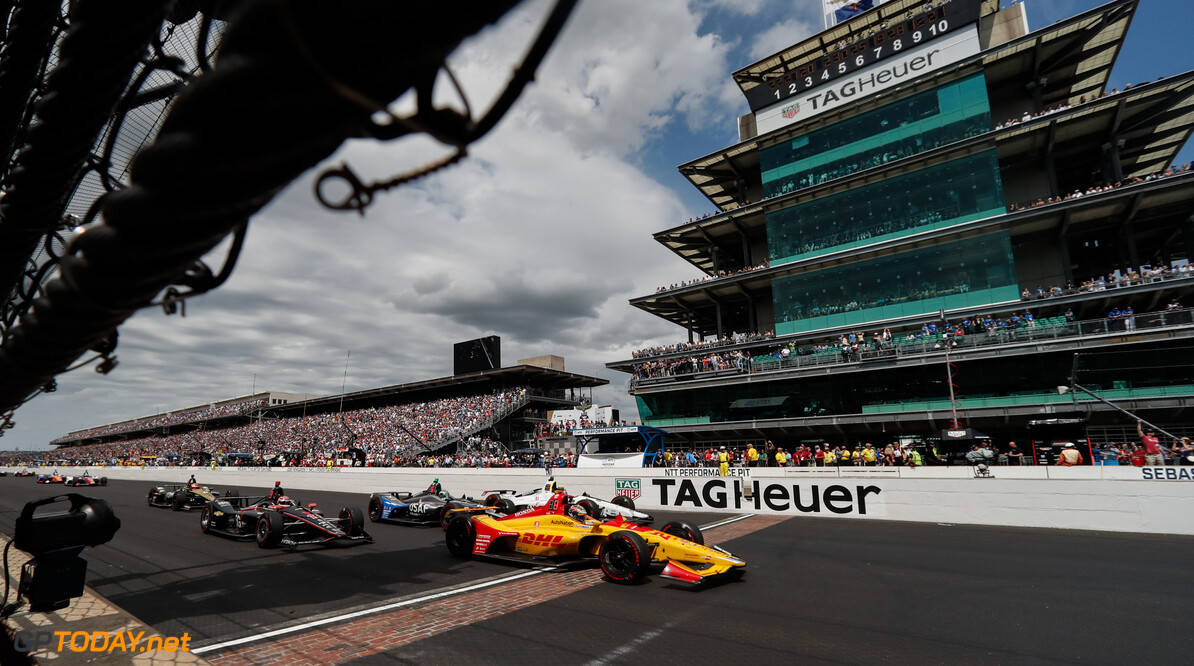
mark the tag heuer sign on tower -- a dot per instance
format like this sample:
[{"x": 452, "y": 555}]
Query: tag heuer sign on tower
[{"x": 917, "y": 31}]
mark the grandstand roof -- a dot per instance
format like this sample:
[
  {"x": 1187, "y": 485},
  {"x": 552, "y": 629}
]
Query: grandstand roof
[
  {"x": 1072, "y": 57},
  {"x": 517, "y": 375}
]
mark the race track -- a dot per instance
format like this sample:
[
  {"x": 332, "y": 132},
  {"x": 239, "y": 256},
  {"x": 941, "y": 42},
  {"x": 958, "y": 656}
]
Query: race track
[{"x": 818, "y": 590}]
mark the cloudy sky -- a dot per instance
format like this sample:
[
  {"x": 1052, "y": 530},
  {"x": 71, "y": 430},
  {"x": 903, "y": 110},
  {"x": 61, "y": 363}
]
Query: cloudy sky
[{"x": 540, "y": 237}]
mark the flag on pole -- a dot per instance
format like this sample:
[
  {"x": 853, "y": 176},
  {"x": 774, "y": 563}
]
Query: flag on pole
[{"x": 836, "y": 11}]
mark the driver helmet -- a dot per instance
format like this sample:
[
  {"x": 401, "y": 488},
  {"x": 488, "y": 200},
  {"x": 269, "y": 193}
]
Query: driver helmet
[
  {"x": 284, "y": 501},
  {"x": 576, "y": 511}
]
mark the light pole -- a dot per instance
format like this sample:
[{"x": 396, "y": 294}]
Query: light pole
[
  {"x": 1073, "y": 389},
  {"x": 344, "y": 380}
]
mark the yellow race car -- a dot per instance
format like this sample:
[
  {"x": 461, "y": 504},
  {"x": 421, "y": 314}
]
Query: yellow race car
[{"x": 561, "y": 532}]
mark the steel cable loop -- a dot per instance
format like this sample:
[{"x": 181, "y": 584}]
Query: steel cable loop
[
  {"x": 97, "y": 58},
  {"x": 230, "y": 142}
]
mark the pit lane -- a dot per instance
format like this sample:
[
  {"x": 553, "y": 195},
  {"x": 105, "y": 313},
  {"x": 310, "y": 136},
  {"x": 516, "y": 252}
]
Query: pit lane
[{"x": 820, "y": 590}]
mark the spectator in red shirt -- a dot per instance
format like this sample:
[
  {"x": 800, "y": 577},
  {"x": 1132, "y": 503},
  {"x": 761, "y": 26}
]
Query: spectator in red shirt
[{"x": 1154, "y": 453}]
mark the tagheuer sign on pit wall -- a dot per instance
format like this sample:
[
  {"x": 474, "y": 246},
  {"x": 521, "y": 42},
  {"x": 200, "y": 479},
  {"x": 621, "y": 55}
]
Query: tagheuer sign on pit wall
[
  {"x": 906, "y": 35},
  {"x": 768, "y": 496}
]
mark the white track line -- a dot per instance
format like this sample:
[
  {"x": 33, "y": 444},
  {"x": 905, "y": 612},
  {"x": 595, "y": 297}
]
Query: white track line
[
  {"x": 400, "y": 604},
  {"x": 367, "y": 611},
  {"x": 727, "y": 521}
]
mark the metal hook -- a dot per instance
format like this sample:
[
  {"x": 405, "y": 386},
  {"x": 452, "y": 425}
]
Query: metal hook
[{"x": 358, "y": 199}]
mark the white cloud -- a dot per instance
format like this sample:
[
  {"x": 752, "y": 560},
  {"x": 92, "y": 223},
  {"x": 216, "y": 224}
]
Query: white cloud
[
  {"x": 782, "y": 35},
  {"x": 540, "y": 236},
  {"x": 744, "y": 7}
]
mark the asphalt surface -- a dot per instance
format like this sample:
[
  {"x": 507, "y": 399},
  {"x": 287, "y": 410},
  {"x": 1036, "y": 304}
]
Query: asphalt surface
[
  {"x": 818, "y": 590},
  {"x": 168, "y": 574},
  {"x": 841, "y": 591}
]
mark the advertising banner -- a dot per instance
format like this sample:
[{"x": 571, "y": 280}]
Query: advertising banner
[
  {"x": 769, "y": 496},
  {"x": 610, "y": 460},
  {"x": 913, "y": 32},
  {"x": 866, "y": 82}
]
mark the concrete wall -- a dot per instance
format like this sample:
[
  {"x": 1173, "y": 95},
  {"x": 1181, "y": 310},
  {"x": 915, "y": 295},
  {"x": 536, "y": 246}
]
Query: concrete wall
[{"x": 1121, "y": 499}]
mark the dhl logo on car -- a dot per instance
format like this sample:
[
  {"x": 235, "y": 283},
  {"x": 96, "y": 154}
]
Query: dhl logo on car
[{"x": 542, "y": 539}]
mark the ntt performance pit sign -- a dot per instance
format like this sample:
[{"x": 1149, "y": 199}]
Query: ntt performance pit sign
[{"x": 876, "y": 78}]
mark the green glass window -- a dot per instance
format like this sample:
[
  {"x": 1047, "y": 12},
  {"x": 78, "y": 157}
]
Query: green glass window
[
  {"x": 946, "y": 194},
  {"x": 913, "y": 125},
  {"x": 972, "y": 272}
]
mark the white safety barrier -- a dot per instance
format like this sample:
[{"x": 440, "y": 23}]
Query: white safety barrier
[{"x": 1122, "y": 499}]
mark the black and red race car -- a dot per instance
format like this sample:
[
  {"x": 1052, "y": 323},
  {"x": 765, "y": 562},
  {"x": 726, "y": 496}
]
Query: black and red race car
[
  {"x": 86, "y": 479},
  {"x": 277, "y": 520}
]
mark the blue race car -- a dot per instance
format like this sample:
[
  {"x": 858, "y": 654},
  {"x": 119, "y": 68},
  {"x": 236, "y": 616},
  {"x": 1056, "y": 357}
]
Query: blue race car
[{"x": 428, "y": 507}]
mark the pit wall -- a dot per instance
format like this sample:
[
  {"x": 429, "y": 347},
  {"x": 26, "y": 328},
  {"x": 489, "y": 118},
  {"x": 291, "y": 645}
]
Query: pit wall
[{"x": 1120, "y": 499}]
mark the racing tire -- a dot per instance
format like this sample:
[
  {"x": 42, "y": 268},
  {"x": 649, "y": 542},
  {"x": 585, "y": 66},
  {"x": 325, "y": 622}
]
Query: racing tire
[
  {"x": 506, "y": 506},
  {"x": 459, "y": 536},
  {"x": 684, "y": 530},
  {"x": 103, "y": 480},
  {"x": 590, "y": 508},
  {"x": 269, "y": 529},
  {"x": 445, "y": 514},
  {"x": 355, "y": 520},
  {"x": 623, "y": 501},
  {"x": 207, "y": 519},
  {"x": 149, "y": 499},
  {"x": 177, "y": 502},
  {"x": 624, "y": 557},
  {"x": 375, "y": 509},
  {"x": 492, "y": 500}
]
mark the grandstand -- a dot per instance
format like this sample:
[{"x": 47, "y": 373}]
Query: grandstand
[
  {"x": 931, "y": 196},
  {"x": 386, "y": 425}
]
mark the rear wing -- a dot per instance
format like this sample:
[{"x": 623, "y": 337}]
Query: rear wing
[{"x": 242, "y": 502}]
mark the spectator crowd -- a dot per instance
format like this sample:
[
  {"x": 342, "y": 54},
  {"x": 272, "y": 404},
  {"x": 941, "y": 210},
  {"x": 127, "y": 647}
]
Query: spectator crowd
[
  {"x": 1099, "y": 188},
  {"x": 715, "y": 276},
  {"x": 386, "y": 435},
  {"x": 196, "y": 415},
  {"x": 933, "y": 335}
]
